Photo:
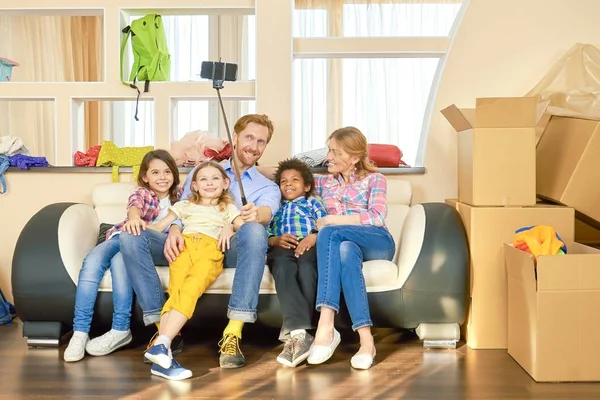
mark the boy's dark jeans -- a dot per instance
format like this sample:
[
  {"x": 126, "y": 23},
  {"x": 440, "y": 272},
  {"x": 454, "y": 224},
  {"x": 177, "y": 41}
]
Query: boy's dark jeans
[{"x": 296, "y": 285}]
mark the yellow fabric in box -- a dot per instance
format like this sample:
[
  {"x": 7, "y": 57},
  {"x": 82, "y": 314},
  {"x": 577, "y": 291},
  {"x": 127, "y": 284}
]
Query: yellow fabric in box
[{"x": 113, "y": 156}]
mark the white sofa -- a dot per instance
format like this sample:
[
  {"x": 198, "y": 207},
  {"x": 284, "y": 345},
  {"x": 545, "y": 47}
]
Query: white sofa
[{"x": 423, "y": 288}]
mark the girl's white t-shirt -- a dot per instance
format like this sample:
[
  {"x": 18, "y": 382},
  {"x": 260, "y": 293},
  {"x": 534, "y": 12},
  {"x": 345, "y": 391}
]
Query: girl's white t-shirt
[{"x": 163, "y": 206}]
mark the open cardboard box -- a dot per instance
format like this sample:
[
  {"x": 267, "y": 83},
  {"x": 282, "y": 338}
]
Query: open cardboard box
[
  {"x": 488, "y": 228},
  {"x": 496, "y": 150},
  {"x": 568, "y": 161},
  {"x": 554, "y": 318}
]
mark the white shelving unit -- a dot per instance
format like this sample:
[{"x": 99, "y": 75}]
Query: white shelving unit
[
  {"x": 69, "y": 96},
  {"x": 275, "y": 51}
]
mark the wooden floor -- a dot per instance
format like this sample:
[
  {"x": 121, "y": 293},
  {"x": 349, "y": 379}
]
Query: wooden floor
[{"x": 403, "y": 370}]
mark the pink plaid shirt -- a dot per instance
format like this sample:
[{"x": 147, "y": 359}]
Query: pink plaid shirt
[
  {"x": 147, "y": 202},
  {"x": 367, "y": 196}
]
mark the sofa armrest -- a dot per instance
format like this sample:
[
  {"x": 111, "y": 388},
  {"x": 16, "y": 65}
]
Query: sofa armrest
[
  {"x": 435, "y": 289},
  {"x": 47, "y": 259},
  {"x": 78, "y": 230}
]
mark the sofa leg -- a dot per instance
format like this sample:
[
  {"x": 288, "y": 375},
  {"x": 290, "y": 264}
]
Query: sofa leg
[
  {"x": 439, "y": 336},
  {"x": 43, "y": 333}
]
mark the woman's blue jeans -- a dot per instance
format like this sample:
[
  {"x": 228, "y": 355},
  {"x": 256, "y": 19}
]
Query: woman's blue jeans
[
  {"x": 341, "y": 250},
  {"x": 102, "y": 257}
]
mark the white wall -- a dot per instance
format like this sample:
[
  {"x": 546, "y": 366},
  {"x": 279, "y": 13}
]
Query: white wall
[{"x": 502, "y": 48}]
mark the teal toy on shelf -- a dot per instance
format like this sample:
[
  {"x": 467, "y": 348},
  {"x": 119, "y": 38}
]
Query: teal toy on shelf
[{"x": 6, "y": 66}]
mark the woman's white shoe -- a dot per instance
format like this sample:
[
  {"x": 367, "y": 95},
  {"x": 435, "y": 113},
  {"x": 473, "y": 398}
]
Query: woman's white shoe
[
  {"x": 319, "y": 354},
  {"x": 362, "y": 361}
]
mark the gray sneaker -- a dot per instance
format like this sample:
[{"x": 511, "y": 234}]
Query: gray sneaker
[
  {"x": 287, "y": 354},
  {"x": 301, "y": 347},
  {"x": 231, "y": 354},
  {"x": 106, "y": 344}
]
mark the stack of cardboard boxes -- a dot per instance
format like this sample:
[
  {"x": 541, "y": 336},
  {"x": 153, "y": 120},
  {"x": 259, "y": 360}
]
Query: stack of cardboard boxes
[{"x": 496, "y": 196}]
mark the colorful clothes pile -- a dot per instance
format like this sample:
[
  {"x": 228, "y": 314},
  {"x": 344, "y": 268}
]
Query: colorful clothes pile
[{"x": 539, "y": 240}]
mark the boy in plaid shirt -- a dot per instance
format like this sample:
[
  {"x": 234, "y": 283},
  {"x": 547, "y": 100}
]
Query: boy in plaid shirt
[{"x": 292, "y": 257}]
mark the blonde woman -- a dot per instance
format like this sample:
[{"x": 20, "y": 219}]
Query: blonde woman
[{"x": 355, "y": 196}]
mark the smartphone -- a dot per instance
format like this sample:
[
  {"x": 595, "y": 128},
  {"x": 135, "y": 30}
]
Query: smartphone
[{"x": 218, "y": 71}]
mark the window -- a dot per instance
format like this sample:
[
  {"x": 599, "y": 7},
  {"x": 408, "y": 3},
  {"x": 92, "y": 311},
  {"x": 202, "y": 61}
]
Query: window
[
  {"x": 386, "y": 98},
  {"x": 400, "y": 19}
]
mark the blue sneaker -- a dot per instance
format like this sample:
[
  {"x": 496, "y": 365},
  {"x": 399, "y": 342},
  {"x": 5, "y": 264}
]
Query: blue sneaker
[
  {"x": 175, "y": 373},
  {"x": 158, "y": 354}
]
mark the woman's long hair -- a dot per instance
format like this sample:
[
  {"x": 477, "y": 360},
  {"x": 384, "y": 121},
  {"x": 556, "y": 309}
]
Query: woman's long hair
[{"x": 354, "y": 142}]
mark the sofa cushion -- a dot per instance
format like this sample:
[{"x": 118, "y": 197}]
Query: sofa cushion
[{"x": 379, "y": 275}]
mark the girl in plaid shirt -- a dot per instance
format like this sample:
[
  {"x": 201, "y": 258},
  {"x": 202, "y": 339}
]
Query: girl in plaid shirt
[
  {"x": 158, "y": 181},
  {"x": 355, "y": 197}
]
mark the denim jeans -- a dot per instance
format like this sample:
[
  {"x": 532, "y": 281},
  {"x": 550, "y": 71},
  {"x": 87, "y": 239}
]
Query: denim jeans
[
  {"x": 247, "y": 254},
  {"x": 141, "y": 253},
  {"x": 102, "y": 257},
  {"x": 341, "y": 250}
]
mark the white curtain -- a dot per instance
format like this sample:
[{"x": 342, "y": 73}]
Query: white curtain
[{"x": 385, "y": 98}]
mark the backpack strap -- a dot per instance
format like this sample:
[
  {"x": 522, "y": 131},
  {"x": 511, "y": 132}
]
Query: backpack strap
[
  {"x": 127, "y": 31},
  {"x": 4, "y": 164}
]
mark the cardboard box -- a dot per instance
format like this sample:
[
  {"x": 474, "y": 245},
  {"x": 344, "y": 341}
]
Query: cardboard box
[
  {"x": 553, "y": 321},
  {"x": 586, "y": 234},
  {"x": 496, "y": 151},
  {"x": 568, "y": 160},
  {"x": 488, "y": 228}
]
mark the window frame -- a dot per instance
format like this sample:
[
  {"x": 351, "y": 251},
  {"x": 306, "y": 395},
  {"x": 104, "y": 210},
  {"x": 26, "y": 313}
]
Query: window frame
[{"x": 336, "y": 47}]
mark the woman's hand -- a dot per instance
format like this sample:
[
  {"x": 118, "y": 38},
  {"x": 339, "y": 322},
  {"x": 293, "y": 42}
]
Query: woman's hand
[
  {"x": 134, "y": 226},
  {"x": 225, "y": 238},
  {"x": 326, "y": 221},
  {"x": 306, "y": 244}
]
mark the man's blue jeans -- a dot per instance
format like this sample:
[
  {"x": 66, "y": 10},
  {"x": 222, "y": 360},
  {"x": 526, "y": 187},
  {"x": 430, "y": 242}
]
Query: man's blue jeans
[
  {"x": 247, "y": 254},
  {"x": 102, "y": 257},
  {"x": 341, "y": 250}
]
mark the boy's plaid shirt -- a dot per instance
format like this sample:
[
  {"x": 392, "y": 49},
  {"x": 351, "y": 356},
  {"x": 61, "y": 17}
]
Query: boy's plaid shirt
[
  {"x": 147, "y": 202},
  {"x": 366, "y": 197},
  {"x": 297, "y": 217}
]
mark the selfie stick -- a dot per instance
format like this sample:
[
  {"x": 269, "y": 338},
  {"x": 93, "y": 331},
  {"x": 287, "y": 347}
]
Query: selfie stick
[{"x": 218, "y": 85}]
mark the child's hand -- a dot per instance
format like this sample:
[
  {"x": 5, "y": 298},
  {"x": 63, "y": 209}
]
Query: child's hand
[
  {"x": 306, "y": 244},
  {"x": 225, "y": 237},
  {"x": 285, "y": 241},
  {"x": 134, "y": 226}
]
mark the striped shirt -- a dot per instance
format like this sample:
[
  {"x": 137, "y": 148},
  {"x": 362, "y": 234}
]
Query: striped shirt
[
  {"x": 297, "y": 217},
  {"x": 366, "y": 197}
]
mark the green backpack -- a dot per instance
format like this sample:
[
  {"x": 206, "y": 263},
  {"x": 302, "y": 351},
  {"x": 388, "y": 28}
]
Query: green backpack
[{"x": 151, "y": 58}]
